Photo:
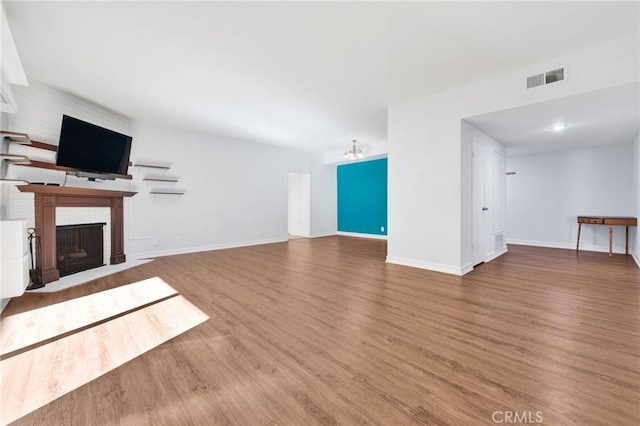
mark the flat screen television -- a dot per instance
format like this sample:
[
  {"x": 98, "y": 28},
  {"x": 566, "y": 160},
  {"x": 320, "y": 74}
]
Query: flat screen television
[{"x": 92, "y": 149}]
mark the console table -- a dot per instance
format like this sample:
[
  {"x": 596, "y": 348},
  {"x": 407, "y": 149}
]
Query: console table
[{"x": 610, "y": 221}]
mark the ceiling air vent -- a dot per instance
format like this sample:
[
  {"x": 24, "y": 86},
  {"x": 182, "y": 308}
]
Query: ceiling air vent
[
  {"x": 546, "y": 78},
  {"x": 535, "y": 81},
  {"x": 553, "y": 76}
]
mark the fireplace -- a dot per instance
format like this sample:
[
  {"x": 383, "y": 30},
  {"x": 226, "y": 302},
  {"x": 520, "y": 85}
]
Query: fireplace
[
  {"x": 48, "y": 198},
  {"x": 79, "y": 247}
]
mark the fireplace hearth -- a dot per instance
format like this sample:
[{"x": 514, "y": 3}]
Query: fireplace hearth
[{"x": 79, "y": 247}]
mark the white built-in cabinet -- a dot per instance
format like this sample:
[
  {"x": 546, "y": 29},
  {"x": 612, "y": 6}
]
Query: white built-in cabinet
[{"x": 14, "y": 258}]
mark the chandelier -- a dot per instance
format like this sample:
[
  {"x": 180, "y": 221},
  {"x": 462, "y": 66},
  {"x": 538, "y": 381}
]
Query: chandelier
[{"x": 354, "y": 153}]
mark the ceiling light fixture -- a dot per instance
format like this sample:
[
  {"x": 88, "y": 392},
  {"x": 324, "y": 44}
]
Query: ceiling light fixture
[
  {"x": 354, "y": 153},
  {"x": 558, "y": 127}
]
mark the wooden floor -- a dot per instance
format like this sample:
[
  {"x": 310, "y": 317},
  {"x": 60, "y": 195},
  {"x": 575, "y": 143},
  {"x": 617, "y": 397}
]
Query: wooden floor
[
  {"x": 35, "y": 326},
  {"x": 323, "y": 331},
  {"x": 76, "y": 359}
]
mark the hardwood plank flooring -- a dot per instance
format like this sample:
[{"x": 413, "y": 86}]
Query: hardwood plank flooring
[
  {"x": 32, "y": 327},
  {"x": 40, "y": 375},
  {"x": 323, "y": 331}
]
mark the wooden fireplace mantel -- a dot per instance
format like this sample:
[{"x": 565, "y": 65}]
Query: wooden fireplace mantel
[{"x": 48, "y": 197}]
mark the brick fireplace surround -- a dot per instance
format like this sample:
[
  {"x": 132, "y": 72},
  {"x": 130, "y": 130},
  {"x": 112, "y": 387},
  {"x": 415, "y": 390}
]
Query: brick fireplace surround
[{"x": 48, "y": 197}]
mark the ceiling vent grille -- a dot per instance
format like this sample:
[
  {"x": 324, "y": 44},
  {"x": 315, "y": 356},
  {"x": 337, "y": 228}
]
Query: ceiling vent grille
[
  {"x": 535, "y": 81},
  {"x": 546, "y": 78}
]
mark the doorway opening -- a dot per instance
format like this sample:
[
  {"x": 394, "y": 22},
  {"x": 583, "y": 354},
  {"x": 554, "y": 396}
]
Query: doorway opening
[{"x": 299, "y": 205}]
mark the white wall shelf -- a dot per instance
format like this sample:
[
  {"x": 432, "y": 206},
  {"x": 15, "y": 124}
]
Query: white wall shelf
[
  {"x": 21, "y": 138},
  {"x": 152, "y": 166},
  {"x": 15, "y": 159},
  {"x": 13, "y": 182},
  {"x": 161, "y": 179},
  {"x": 166, "y": 192}
]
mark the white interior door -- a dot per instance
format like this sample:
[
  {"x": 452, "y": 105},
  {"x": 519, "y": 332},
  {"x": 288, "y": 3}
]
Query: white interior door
[
  {"x": 299, "y": 204},
  {"x": 479, "y": 207}
]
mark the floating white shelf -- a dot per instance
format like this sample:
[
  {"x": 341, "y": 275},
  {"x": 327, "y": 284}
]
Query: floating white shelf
[
  {"x": 167, "y": 192},
  {"x": 160, "y": 179},
  {"x": 152, "y": 166}
]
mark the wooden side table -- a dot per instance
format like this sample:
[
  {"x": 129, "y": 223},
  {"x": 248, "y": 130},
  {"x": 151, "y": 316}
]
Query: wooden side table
[{"x": 610, "y": 221}]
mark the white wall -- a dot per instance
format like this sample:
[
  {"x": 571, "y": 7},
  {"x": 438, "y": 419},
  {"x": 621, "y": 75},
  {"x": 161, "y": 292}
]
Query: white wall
[
  {"x": 41, "y": 108},
  {"x": 429, "y": 198},
  {"x": 324, "y": 197},
  {"x": 299, "y": 206},
  {"x": 550, "y": 189},
  {"x": 495, "y": 241},
  {"x": 236, "y": 192}
]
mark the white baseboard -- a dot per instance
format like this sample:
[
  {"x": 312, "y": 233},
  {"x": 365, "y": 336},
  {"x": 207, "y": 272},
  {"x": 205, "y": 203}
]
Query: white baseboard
[
  {"x": 568, "y": 246},
  {"x": 466, "y": 268},
  {"x": 496, "y": 254},
  {"x": 447, "y": 269},
  {"x": 636, "y": 257},
  {"x": 187, "y": 250},
  {"x": 359, "y": 235},
  {"x": 540, "y": 244},
  {"x": 323, "y": 234}
]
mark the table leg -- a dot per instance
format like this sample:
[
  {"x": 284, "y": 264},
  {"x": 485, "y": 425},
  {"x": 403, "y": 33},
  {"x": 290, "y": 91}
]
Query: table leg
[
  {"x": 610, "y": 241},
  {"x": 578, "y": 243},
  {"x": 626, "y": 242}
]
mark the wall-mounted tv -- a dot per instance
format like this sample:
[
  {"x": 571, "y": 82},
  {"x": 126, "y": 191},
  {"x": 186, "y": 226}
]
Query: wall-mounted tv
[{"x": 94, "y": 149}]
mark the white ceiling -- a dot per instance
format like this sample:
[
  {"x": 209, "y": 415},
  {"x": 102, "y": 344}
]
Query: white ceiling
[
  {"x": 299, "y": 74},
  {"x": 596, "y": 118}
]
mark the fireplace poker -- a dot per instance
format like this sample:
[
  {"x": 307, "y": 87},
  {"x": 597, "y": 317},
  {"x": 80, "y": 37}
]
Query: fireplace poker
[{"x": 35, "y": 278}]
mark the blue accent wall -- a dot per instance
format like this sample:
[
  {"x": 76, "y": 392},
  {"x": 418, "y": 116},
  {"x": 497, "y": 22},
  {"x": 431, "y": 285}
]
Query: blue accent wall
[{"x": 362, "y": 197}]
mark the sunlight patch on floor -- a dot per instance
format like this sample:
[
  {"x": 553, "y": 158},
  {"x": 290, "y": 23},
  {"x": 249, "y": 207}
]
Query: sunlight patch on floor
[
  {"x": 35, "y": 326},
  {"x": 35, "y": 377}
]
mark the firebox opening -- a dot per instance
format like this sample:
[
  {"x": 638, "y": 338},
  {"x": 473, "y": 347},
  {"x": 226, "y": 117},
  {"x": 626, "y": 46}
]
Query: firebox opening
[{"x": 79, "y": 247}]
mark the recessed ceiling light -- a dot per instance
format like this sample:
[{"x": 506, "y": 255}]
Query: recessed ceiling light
[{"x": 558, "y": 127}]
